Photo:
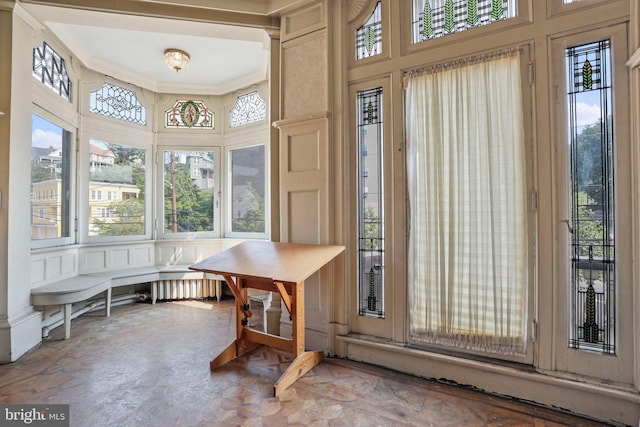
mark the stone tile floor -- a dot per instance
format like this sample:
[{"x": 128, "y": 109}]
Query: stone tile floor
[{"x": 149, "y": 366}]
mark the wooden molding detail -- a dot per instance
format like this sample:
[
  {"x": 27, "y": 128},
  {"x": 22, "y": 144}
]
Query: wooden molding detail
[
  {"x": 357, "y": 8},
  {"x": 634, "y": 61}
]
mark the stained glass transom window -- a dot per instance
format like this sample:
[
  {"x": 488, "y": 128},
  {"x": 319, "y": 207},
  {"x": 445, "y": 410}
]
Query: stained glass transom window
[
  {"x": 248, "y": 108},
  {"x": 189, "y": 114},
  {"x": 48, "y": 67},
  {"x": 591, "y": 143},
  {"x": 369, "y": 36},
  {"x": 437, "y": 18},
  {"x": 118, "y": 103},
  {"x": 370, "y": 204}
]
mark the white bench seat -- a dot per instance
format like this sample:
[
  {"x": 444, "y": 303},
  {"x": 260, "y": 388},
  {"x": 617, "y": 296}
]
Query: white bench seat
[
  {"x": 73, "y": 289},
  {"x": 131, "y": 276},
  {"x": 78, "y": 288}
]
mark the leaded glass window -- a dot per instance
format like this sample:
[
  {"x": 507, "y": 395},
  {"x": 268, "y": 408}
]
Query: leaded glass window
[
  {"x": 248, "y": 108},
  {"x": 189, "y": 114},
  {"x": 437, "y": 18},
  {"x": 592, "y": 222},
  {"x": 369, "y": 36},
  {"x": 370, "y": 204},
  {"x": 48, "y": 67},
  {"x": 118, "y": 103}
]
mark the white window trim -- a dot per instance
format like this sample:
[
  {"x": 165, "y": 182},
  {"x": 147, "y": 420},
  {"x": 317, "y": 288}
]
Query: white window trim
[
  {"x": 159, "y": 230},
  {"x": 61, "y": 241},
  {"x": 617, "y": 367},
  {"x": 227, "y": 193},
  {"x": 101, "y": 130}
]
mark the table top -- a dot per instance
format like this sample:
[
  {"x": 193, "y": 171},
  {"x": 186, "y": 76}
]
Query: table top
[{"x": 276, "y": 261}]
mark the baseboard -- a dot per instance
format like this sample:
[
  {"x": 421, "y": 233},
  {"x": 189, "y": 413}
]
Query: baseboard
[{"x": 596, "y": 400}]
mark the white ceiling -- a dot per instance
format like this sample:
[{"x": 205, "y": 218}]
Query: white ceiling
[{"x": 130, "y": 48}]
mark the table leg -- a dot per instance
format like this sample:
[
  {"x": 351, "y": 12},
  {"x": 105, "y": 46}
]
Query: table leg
[
  {"x": 304, "y": 361},
  {"x": 240, "y": 345},
  {"x": 297, "y": 319},
  {"x": 300, "y": 366}
]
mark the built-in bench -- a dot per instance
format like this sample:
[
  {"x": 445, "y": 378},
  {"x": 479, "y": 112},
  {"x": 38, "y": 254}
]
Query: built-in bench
[{"x": 79, "y": 288}]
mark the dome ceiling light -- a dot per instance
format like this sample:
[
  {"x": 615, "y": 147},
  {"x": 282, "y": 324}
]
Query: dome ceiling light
[{"x": 176, "y": 59}]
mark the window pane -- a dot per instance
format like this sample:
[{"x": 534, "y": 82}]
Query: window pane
[
  {"x": 189, "y": 114},
  {"x": 49, "y": 68},
  {"x": 248, "y": 108},
  {"x": 370, "y": 204},
  {"x": 437, "y": 18},
  {"x": 118, "y": 103},
  {"x": 248, "y": 190},
  {"x": 369, "y": 36},
  {"x": 116, "y": 172},
  {"x": 592, "y": 197},
  {"x": 189, "y": 180},
  {"x": 50, "y": 160}
]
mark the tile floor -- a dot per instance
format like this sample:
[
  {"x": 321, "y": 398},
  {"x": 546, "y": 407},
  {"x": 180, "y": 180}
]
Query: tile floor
[{"x": 149, "y": 366}]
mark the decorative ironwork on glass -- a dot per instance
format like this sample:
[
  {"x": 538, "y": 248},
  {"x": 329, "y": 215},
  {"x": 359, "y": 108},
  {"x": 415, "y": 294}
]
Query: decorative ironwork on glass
[
  {"x": 370, "y": 204},
  {"x": 118, "y": 103},
  {"x": 437, "y": 18},
  {"x": 593, "y": 312},
  {"x": 248, "y": 108},
  {"x": 369, "y": 36},
  {"x": 189, "y": 114},
  {"x": 48, "y": 67}
]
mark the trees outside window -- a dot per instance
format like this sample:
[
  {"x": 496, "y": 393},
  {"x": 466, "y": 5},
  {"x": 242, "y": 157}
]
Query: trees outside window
[{"x": 189, "y": 182}]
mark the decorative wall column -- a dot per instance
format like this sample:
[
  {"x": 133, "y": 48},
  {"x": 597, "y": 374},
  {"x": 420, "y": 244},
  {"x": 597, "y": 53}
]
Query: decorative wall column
[
  {"x": 634, "y": 75},
  {"x": 306, "y": 155},
  {"x": 20, "y": 325},
  {"x": 6, "y": 9}
]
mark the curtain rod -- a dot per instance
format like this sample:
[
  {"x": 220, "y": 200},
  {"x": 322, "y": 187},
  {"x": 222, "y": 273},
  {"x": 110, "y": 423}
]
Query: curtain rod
[{"x": 475, "y": 59}]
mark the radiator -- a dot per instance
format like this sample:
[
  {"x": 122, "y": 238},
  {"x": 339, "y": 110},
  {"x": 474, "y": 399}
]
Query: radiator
[{"x": 187, "y": 289}]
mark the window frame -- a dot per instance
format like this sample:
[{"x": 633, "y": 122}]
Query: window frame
[
  {"x": 523, "y": 17},
  {"x": 359, "y": 21},
  {"x": 101, "y": 130},
  {"x": 159, "y": 230},
  {"x": 71, "y": 215},
  {"x": 558, "y": 8},
  {"x": 227, "y": 194},
  {"x": 618, "y": 367},
  {"x": 528, "y": 88},
  {"x": 384, "y": 327}
]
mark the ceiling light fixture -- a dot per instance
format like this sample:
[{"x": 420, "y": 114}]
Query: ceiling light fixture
[{"x": 176, "y": 59}]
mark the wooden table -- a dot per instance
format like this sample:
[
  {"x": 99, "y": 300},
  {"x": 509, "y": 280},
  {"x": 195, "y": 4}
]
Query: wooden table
[{"x": 274, "y": 267}]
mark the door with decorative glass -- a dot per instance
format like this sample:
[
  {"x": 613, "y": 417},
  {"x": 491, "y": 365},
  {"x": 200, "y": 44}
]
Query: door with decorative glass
[
  {"x": 594, "y": 311},
  {"x": 371, "y": 159}
]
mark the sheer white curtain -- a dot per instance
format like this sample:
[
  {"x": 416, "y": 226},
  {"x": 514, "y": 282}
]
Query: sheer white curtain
[{"x": 466, "y": 179}]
